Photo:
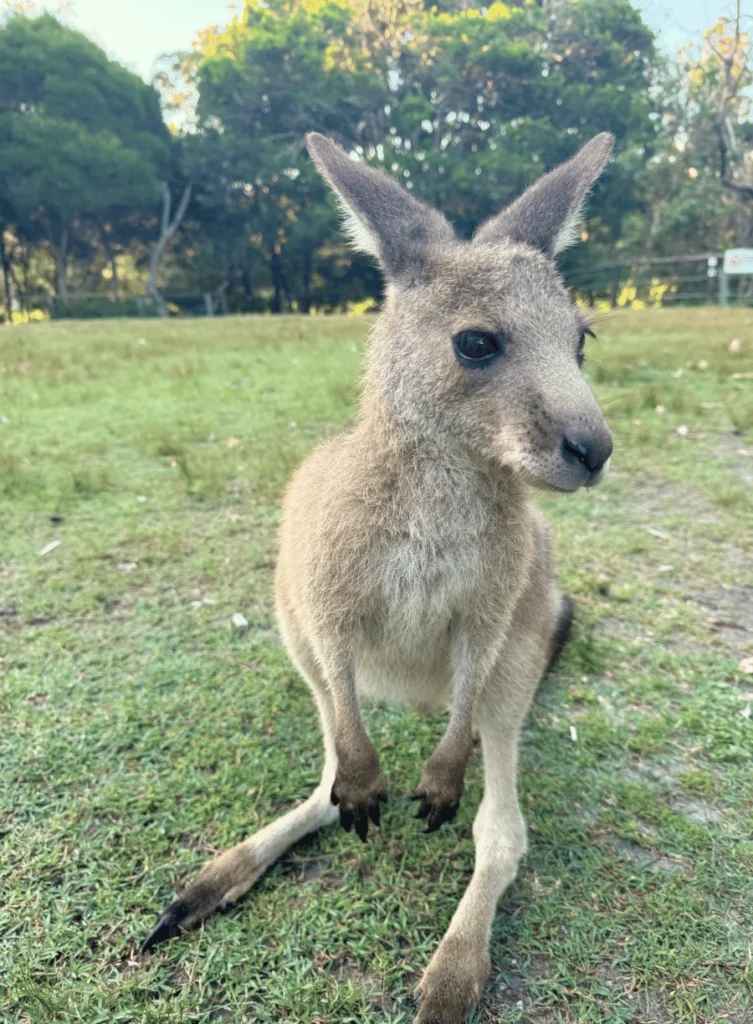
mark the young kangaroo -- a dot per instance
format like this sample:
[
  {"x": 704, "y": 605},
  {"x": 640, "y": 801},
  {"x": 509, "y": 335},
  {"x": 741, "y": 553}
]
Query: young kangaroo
[{"x": 412, "y": 562}]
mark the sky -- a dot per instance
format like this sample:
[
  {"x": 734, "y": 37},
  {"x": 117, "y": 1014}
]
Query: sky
[{"x": 136, "y": 32}]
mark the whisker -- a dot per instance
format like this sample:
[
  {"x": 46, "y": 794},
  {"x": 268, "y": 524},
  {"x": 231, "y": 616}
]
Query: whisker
[{"x": 600, "y": 317}]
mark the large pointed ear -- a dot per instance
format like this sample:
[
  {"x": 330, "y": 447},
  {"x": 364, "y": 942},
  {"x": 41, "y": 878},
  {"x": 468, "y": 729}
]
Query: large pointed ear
[
  {"x": 547, "y": 215},
  {"x": 380, "y": 217}
]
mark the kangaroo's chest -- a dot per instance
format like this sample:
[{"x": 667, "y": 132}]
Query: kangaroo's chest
[
  {"x": 405, "y": 653},
  {"x": 428, "y": 574},
  {"x": 423, "y": 584}
]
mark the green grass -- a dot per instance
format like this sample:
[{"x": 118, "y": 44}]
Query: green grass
[{"x": 139, "y": 736}]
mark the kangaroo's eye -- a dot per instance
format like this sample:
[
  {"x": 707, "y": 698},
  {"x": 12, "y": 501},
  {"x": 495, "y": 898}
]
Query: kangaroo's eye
[
  {"x": 475, "y": 348},
  {"x": 582, "y": 343}
]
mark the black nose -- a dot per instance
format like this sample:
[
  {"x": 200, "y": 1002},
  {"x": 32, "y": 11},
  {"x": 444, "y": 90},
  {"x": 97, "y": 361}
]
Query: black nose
[{"x": 592, "y": 453}]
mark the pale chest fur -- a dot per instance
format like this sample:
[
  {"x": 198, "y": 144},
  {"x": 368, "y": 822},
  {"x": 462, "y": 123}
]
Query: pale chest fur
[{"x": 445, "y": 548}]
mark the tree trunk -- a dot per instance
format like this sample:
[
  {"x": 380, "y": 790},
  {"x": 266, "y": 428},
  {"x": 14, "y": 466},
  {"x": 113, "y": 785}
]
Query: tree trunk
[
  {"x": 23, "y": 286},
  {"x": 113, "y": 261},
  {"x": 274, "y": 265},
  {"x": 7, "y": 276},
  {"x": 221, "y": 297},
  {"x": 307, "y": 271},
  {"x": 248, "y": 288},
  {"x": 168, "y": 228},
  {"x": 60, "y": 255}
]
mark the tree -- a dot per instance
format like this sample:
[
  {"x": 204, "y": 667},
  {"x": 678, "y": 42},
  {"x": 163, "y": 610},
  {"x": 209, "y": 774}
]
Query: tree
[
  {"x": 467, "y": 106},
  {"x": 718, "y": 90},
  {"x": 695, "y": 182},
  {"x": 273, "y": 74},
  {"x": 170, "y": 221},
  {"x": 5, "y": 259},
  {"x": 81, "y": 138},
  {"x": 488, "y": 99}
]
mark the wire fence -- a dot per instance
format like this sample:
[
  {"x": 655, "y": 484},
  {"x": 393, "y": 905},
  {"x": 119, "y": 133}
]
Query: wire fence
[
  {"x": 694, "y": 279},
  {"x": 98, "y": 306}
]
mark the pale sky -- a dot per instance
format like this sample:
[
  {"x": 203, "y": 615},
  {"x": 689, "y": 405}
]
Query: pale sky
[{"x": 136, "y": 32}]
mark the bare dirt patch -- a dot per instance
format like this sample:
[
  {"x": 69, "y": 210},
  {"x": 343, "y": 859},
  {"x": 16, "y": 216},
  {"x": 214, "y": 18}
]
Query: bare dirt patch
[
  {"x": 731, "y": 615},
  {"x": 508, "y": 990},
  {"x": 643, "y": 858},
  {"x": 666, "y": 772},
  {"x": 669, "y": 774},
  {"x": 344, "y": 969},
  {"x": 738, "y": 456},
  {"x": 651, "y": 498},
  {"x": 697, "y": 810},
  {"x": 651, "y": 1009}
]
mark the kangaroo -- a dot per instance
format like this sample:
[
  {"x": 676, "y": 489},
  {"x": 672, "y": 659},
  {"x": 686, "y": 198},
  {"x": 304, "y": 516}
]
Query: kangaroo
[{"x": 413, "y": 564}]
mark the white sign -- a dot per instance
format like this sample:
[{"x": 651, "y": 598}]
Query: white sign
[{"x": 738, "y": 261}]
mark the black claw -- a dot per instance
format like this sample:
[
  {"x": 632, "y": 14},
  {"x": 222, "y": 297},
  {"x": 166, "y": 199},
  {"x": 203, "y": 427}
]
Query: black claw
[
  {"x": 346, "y": 819},
  {"x": 417, "y": 794},
  {"x": 440, "y": 815},
  {"x": 168, "y": 927},
  {"x": 424, "y": 810},
  {"x": 334, "y": 797},
  {"x": 375, "y": 812},
  {"x": 362, "y": 824}
]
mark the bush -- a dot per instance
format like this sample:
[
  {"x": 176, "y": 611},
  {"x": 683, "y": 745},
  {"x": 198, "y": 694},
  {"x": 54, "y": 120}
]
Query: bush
[{"x": 101, "y": 307}]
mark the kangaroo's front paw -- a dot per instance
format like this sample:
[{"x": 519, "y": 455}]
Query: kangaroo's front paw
[
  {"x": 453, "y": 983},
  {"x": 439, "y": 791},
  {"x": 359, "y": 790}
]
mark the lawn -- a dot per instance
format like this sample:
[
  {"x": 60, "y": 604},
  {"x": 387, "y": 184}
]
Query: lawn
[{"x": 141, "y": 734}]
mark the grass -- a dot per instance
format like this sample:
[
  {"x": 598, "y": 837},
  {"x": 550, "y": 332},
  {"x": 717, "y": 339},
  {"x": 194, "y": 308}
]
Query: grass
[{"x": 140, "y": 736}]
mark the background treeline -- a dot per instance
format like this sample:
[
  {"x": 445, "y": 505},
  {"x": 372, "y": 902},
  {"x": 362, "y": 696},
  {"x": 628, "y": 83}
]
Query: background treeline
[{"x": 198, "y": 185}]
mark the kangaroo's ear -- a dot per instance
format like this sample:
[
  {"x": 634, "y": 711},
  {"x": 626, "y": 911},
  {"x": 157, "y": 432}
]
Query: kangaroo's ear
[
  {"x": 547, "y": 215},
  {"x": 380, "y": 217}
]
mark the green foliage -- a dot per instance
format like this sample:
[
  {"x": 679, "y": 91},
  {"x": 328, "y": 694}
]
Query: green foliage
[
  {"x": 90, "y": 174},
  {"x": 689, "y": 205},
  {"x": 100, "y": 308},
  {"x": 82, "y": 141},
  {"x": 51, "y": 70},
  {"x": 465, "y": 104},
  {"x": 466, "y": 107}
]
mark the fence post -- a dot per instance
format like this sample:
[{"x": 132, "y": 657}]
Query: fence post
[
  {"x": 712, "y": 272},
  {"x": 723, "y": 288},
  {"x": 209, "y": 308}
]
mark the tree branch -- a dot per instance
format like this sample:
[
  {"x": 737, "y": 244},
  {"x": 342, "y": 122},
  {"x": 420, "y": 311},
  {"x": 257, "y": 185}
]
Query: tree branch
[
  {"x": 743, "y": 188},
  {"x": 168, "y": 228}
]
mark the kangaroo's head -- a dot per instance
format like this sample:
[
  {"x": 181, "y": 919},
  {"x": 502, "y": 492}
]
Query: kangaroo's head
[{"x": 479, "y": 340}]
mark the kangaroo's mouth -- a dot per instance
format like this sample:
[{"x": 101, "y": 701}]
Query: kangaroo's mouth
[
  {"x": 563, "y": 458},
  {"x": 550, "y": 473},
  {"x": 597, "y": 477}
]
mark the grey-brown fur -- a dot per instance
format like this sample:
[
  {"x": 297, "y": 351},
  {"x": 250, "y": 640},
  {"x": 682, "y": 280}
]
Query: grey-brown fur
[{"x": 413, "y": 564}]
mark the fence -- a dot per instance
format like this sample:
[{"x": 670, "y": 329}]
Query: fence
[
  {"x": 662, "y": 280},
  {"x": 95, "y": 305},
  {"x": 644, "y": 281}
]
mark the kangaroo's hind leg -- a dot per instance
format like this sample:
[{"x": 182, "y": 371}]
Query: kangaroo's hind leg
[
  {"x": 226, "y": 878},
  {"x": 454, "y": 980}
]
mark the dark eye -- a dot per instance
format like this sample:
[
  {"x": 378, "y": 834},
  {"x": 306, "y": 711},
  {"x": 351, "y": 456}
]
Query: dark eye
[
  {"x": 475, "y": 348},
  {"x": 582, "y": 343}
]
